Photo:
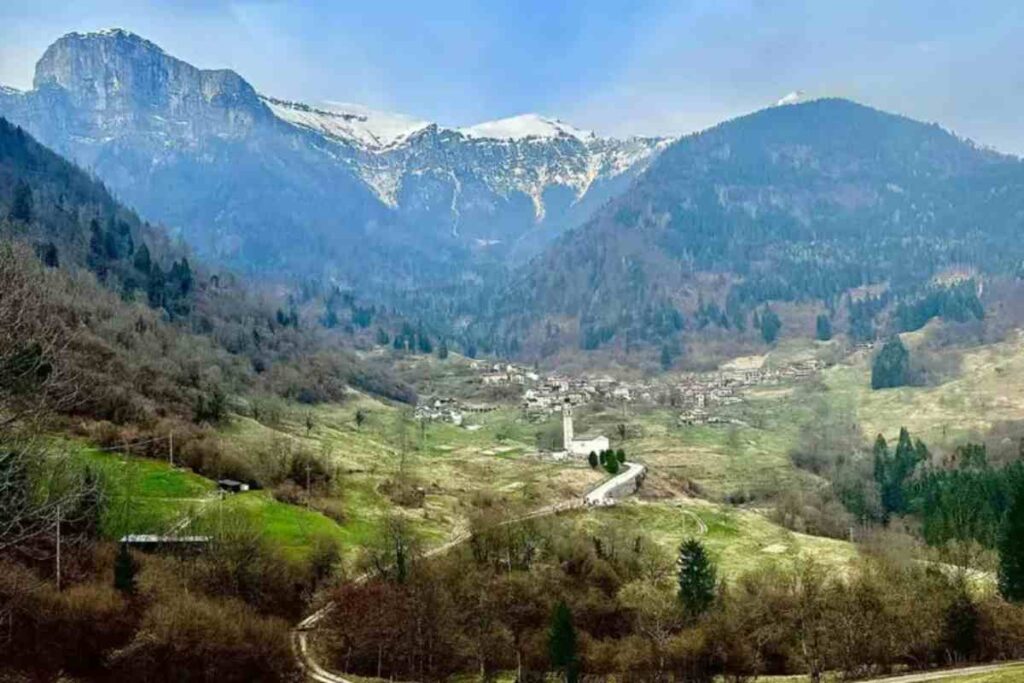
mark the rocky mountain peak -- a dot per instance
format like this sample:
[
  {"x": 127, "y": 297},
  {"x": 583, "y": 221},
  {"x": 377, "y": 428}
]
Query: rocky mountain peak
[
  {"x": 121, "y": 77},
  {"x": 258, "y": 179}
]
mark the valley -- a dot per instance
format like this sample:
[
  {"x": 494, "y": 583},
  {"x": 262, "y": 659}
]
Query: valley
[{"x": 298, "y": 391}]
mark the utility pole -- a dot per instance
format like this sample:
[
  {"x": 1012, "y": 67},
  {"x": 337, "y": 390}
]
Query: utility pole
[
  {"x": 309, "y": 492},
  {"x": 170, "y": 449},
  {"x": 58, "y": 547}
]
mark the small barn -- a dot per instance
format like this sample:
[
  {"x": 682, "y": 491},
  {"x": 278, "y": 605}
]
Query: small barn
[{"x": 232, "y": 486}]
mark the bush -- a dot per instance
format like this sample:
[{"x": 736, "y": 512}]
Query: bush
[{"x": 206, "y": 639}]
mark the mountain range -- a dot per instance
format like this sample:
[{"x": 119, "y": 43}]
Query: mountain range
[
  {"x": 526, "y": 235},
  {"x": 332, "y": 190}
]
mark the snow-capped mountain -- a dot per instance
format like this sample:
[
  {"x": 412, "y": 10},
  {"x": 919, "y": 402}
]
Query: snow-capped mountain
[
  {"x": 376, "y": 130},
  {"x": 525, "y": 126},
  {"x": 267, "y": 183},
  {"x": 525, "y": 155}
]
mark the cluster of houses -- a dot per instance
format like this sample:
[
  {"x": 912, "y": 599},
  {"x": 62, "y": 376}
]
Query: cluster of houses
[
  {"x": 696, "y": 394},
  {"x": 448, "y": 409}
]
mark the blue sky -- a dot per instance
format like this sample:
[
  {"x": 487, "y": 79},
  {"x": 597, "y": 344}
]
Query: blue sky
[{"x": 639, "y": 67}]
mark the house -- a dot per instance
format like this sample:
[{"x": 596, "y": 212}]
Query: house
[{"x": 232, "y": 486}]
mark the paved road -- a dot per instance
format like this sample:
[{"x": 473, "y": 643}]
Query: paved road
[
  {"x": 601, "y": 496},
  {"x": 604, "y": 493},
  {"x": 947, "y": 674}
]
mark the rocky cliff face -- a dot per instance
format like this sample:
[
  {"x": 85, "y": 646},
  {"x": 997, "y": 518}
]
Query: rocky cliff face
[
  {"x": 268, "y": 184},
  {"x": 510, "y": 184},
  {"x": 118, "y": 82}
]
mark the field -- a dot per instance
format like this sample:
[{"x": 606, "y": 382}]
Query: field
[
  {"x": 149, "y": 496},
  {"x": 145, "y": 496},
  {"x": 447, "y": 471},
  {"x": 738, "y": 540},
  {"x": 988, "y": 387},
  {"x": 450, "y": 468}
]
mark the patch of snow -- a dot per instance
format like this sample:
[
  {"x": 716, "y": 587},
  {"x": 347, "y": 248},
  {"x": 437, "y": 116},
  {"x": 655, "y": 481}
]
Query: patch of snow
[
  {"x": 795, "y": 97},
  {"x": 352, "y": 122},
  {"x": 531, "y": 160},
  {"x": 525, "y": 126},
  {"x": 118, "y": 33}
]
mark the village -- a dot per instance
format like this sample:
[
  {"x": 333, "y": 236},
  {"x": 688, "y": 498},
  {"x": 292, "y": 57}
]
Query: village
[{"x": 698, "y": 396}]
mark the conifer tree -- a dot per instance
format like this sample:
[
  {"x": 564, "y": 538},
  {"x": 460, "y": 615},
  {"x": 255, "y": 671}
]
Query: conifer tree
[
  {"x": 22, "y": 208},
  {"x": 891, "y": 367},
  {"x": 124, "y": 570},
  {"x": 770, "y": 326},
  {"x": 143, "y": 263},
  {"x": 666, "y": 358},
  {"x": 823, "y": 328},
  {"x": 1011, "y": 547},
  {"x": 697, "y": 578},
  {"x": 611, "y": 463},
  {"x": 592, "y": 459},
  {"x": 97, "y": 245},
  {"x": 562, "y": 643}
]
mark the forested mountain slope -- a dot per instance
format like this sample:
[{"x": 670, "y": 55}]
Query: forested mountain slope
[
  {"x": 137, "y": 329},
  {"x": 794, "y": 203}
]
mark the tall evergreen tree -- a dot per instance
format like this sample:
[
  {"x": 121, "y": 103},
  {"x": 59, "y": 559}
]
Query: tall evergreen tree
[
  {"x": 891, "y": 367},
  {"x": 770, "y": 326},
  {"x": 666, "y": 358},
  {"x": 143, "y": 262},
  {"x": 124, "y": 570},
  {"x": 97, "y": 245},
  {"x": 562, "y": 643},
  {"x": 823, "y": 328},
  {"x": 1011, "y": 547},
  {"x": 893, "y": 471},
  {"x": 22, "y": 208},
  {"x": 697, "y": 578}
]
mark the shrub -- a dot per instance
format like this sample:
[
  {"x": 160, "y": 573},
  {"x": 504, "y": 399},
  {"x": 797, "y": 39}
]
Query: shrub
[{"x": 206, "y": 639}]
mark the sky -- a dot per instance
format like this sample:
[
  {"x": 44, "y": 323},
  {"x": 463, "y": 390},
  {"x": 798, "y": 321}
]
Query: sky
[{"x": 639, "y": 67}]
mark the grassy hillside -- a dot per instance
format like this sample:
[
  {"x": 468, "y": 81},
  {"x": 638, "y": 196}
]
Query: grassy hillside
[
  {"x": 988, "y": 387},
  {"x": 451, "y": 469},
  {"x": 149, "y": 496},
  {"x": 738, "y": 540}
]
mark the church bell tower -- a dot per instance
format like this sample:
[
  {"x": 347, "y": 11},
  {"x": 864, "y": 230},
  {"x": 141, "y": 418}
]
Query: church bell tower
[{"x": 567, "y": 426}]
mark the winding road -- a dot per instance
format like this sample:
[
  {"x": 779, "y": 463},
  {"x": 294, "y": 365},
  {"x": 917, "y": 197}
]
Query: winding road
[{"x": 604, "y": 494}]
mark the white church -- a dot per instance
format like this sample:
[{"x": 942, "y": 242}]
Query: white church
[{"x": 579, "y": 446}]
